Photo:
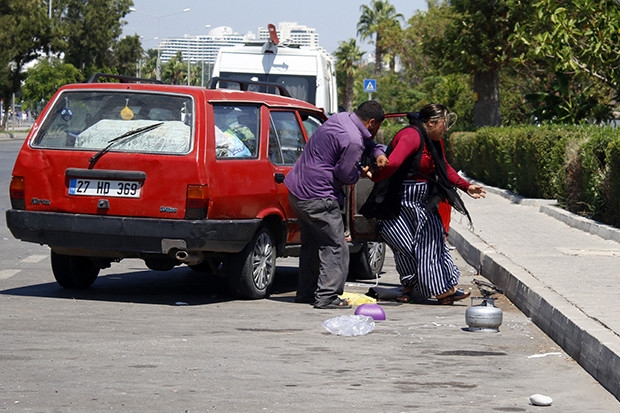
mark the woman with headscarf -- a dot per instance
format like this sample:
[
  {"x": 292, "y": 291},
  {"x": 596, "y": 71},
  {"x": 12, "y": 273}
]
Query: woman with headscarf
[{"x": 416, "y": 234}]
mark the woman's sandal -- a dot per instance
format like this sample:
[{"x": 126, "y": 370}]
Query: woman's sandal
[
  {"x": 458, "y": 295},
  {"x": 405, "y": 297}
]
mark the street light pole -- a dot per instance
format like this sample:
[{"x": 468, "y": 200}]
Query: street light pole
[
  {"x": 158, "y": 64},
  {"x": 202, "y": 74},
  {"x": 49, "y": 47},
  {"x": 202, "y": 70}
]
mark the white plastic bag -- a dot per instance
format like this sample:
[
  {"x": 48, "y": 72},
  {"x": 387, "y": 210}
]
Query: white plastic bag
[
  {"x": 229, "y": 145},
  {"x": 350, "y": 325}
]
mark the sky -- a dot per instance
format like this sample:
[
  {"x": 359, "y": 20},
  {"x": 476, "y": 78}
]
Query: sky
[{"x": 334, "y": 20}]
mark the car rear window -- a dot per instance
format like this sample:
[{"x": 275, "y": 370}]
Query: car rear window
[{"x": 127, "y": 120}]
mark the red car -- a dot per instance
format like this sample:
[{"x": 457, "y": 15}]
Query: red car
[{"x": 168, "y": 174}]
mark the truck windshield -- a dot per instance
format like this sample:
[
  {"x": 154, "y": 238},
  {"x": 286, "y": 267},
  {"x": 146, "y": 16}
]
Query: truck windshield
[
  {"x": 299, "y": 87},
  {"x": 90, "y": 120}
]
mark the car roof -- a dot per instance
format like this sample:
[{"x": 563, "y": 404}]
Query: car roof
[{"x": 208, "y": 95}]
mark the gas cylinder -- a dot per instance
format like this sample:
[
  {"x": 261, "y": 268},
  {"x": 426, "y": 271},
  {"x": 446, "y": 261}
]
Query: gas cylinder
[{"x": 484, "y": 317}]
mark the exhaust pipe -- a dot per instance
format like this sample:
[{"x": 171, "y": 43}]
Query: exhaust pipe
[
  {"x": 181, "y": 255},
  {"x": 189, "y": 258}
]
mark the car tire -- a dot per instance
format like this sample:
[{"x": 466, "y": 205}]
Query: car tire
[
  {"x": 74, "y": 272},
  {"x": 252, "y": 271},
  {"x": 367, "y": 263}
]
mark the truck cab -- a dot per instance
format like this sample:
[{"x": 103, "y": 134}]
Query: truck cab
[{"x": 308, "y": 73}]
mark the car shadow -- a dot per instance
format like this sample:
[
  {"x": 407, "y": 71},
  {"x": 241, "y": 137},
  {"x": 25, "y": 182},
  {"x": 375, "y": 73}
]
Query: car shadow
[{"x": 177, "y": 287}]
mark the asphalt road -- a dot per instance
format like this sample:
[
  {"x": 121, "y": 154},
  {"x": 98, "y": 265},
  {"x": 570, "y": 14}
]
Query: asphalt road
[{"x": 141, "y": 340}]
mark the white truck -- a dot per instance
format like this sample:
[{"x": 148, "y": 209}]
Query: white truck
[{"x": 307, "y": 73}]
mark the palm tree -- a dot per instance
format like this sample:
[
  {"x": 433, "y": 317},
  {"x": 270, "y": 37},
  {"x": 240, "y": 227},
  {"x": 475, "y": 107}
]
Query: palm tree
[
  {"x": 347, "y": 55},
  {"x": 378, "y": 18},
  {"x": 175, "y": 70}
]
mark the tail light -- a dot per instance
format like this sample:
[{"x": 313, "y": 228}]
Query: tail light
[
  {"x": 196, "y": 202},
  {"x": 17, "y": 193}
]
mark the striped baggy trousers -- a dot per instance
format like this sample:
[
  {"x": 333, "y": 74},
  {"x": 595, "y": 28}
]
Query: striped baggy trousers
[{"x": 417, "y": 240}]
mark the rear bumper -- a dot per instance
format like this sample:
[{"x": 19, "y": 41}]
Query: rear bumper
[{"x": 126, "y": 237}]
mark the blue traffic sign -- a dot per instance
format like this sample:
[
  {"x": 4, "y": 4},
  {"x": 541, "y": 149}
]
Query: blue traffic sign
[{"x": 370, "y": 85}]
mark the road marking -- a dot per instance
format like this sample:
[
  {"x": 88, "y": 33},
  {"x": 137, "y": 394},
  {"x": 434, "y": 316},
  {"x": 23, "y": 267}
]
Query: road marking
[
  {"x": 4, "y": 274},
  {"x": 34, "y": 259}
]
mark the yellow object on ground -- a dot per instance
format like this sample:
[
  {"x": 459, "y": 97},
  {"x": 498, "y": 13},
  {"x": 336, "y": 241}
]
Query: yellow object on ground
[{"x": 357, "y": 299}]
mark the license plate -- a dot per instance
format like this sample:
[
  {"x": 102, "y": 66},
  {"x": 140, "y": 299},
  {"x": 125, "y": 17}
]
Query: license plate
[{"x": 98, "y": 187}]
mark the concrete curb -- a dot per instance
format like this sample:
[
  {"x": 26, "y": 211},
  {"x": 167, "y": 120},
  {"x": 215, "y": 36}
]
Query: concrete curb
[
  {"x": 549, "y": 207},
  {"x": 581, "y": 223},
  {"x": 13, "y": 134}
]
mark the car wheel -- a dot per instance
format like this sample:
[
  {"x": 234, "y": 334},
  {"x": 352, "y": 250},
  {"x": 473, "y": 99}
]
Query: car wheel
[
  {"x": 251, "y": 272},
  {"x": 367, "y": 263},
  {"x": 74, "y": 272}
]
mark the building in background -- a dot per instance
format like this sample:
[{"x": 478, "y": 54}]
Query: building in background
[
  {"x": 204, "y": 48},
  {"x": 292, "y": 33}
]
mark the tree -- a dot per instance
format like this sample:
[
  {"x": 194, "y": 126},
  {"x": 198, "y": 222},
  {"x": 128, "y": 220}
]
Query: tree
[
  {"x": 570, "y": 99},
  {"x": 23, "y": 33},
  {"x": 378, "y": 19},
  {"x": 476, "y": 42},
  {"x": 418, "y": 80},
  {"x": 45, "y": 78},
  {"x": 347, "y": 56},
  {"x": 421, "y": 30},
  {"x": 88, "y": 31},
  {"x": 127, "y": 55},
  {"x": 175, "y": 71},
  {"x": 148, "y": 66},
  {"x": 575, "y": 37}
]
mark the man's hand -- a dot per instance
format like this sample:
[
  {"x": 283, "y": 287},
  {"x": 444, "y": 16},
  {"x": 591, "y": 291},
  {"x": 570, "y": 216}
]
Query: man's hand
[
  {"x": 367, "y": 172},
  {"x": 382, "y": 161}
]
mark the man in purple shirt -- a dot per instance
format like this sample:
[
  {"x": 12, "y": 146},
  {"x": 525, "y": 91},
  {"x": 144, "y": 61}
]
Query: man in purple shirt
[{"x": 330, "y": 160}]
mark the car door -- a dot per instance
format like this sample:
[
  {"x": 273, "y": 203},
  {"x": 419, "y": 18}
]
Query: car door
[
  {"x": 240, "y": 179},
  {"x": 287, "y": 139}
]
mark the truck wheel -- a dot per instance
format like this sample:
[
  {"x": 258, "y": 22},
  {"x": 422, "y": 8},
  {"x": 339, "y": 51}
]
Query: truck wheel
[
  {"x": 74, "y": 272},
  {"x": 251, "y": 272},
  {"x": 367, "y": 263}
]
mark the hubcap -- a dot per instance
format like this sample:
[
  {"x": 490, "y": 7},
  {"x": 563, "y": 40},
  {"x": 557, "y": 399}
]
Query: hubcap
[
  {"x": 375, "y": 255},
  {"x": 263, "y": 261}
]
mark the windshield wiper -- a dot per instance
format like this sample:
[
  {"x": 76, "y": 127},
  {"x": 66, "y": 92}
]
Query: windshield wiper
[{"x": 132, "y": 133}]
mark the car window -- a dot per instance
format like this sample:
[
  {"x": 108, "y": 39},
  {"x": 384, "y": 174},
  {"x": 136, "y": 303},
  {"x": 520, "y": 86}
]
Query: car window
[
  {"x": 286, "y": 138},
  {"x": 275, "y": 152},
  {"x": 91, "y": 120},
  {"x": 236, "y": 131},
  {"x": 311, "y": 123}
]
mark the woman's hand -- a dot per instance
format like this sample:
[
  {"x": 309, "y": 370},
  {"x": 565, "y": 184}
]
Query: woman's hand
[
  {"x": 382, "y": 161},
  {"x": 368, "y": 171},
  {"x": 476, "y": 191}
]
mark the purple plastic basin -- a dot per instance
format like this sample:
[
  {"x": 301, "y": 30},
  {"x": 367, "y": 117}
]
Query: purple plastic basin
[{"x": 372, "y": 310}]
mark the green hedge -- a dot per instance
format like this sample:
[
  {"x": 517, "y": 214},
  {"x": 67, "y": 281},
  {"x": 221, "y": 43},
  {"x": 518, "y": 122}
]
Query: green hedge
[{"x": 577, "y": 165}]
